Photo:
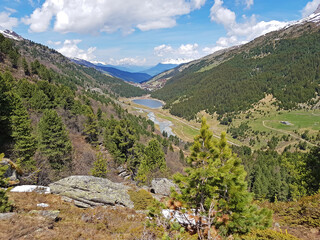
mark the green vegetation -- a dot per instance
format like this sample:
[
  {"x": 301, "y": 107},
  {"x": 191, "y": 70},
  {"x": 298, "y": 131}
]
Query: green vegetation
[
  {"x": 287, "y": 69},
  {"x": 141, "y": 199},
  {"x": 281, "y": 177},
  {"x": 100, "y": 167},
  {"x": 5, "y": 204},
  {"x": 54, "y": 142},
  {"x": 215, "y": 186}
]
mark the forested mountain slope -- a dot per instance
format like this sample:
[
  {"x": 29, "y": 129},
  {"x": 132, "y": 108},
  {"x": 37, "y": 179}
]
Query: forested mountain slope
[
  {"x": 65, "y": 71},
  {"x": 58, "y": 118},
  {"x": 283, "y": 63}
]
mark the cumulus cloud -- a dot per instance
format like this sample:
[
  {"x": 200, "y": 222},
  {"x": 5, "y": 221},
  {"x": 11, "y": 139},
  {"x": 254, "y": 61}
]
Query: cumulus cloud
[
  {"x": 310, "y": 8},
  {"x": 109, "y": 15},
  {"x": 8, "y": 22},
  {"x": 184, "y": 53},
  {"x": 177, "y": 60},
  {"x": 162, "y": 50},
  {"x": 128, "y": 61},
  {"x": 249, "y": 3},
  {"x": 238, "y": 32},
  {"x": 70, "y": 49},
  {"x": 54, "y": 43}
]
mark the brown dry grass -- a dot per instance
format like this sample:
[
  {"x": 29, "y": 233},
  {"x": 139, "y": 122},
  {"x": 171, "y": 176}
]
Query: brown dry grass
[{"x": 75, "y": 223}]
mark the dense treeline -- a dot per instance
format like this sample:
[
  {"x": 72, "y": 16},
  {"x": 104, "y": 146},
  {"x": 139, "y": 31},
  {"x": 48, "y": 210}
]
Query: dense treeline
[
  {"x": 281, "y": 177},
  {"x": 286, "y": 68}
]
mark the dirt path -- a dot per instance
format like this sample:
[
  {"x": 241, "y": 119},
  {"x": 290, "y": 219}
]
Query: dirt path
[{"x": 285, "y": 132}]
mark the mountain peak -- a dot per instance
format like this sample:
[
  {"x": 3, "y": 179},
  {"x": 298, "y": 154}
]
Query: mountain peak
[
  {"x": 317, "y": 10},
  {"x": 10, "y": 34}
]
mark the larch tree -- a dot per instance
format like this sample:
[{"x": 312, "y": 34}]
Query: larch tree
[{"x": 214, "y": 186}]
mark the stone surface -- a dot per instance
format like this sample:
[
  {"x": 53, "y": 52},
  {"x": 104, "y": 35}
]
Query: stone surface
[
  {"x": 162, "y": 186},
  {"x": 12, "y": 171},
  {"x": 6, "y": 216},
  {"x": 49, "y": 214},
  {"x": 88, "y": 191}
]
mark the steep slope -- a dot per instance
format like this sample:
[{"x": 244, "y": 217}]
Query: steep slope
[
  {"x": 115, "y": 72},
  {"x": 283, "y": 63},
  {"x": 69, "y": 73}
]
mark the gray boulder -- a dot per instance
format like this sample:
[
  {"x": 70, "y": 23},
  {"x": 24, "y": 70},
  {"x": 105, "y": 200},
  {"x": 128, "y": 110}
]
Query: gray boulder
[
  {"x": 162, "y": 186},
  {"x": 13, "y": 171},
  {"x": 88, "y": 191}
]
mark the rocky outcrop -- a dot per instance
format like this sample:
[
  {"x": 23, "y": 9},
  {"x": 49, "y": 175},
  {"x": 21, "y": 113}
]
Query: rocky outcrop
[
  {"x": 88, "y": 191},
  {"x": 162, "y": 186},
  {"x": 13, "y": 171}
]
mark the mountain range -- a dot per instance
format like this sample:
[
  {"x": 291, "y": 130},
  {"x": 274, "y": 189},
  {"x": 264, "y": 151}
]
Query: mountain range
[
  {"x": 284, "y": 63},
  {"x": 125, "y": 73}
]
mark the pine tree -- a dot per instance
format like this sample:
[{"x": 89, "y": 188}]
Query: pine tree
[
  {"x": 54, "y": 141},
  {"x": 24, "y": 146},
  {"x": 215, "y": 181},
  {"x": 123, "y": 138},
  {"x": 5, "y": 205},
  {"x": 154, "y": 161},
  {"x": 100, "y": 167},
  {"x": 25, "y": 67},
  {"x": 6, "y": 107},
  {"x": 91, "y": 129}
]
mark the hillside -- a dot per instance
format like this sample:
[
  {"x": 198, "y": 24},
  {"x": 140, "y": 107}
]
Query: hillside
[
  {"x": 283, "y": 63},
  {"x": 115, "y": 72},
  {"x": 69, "y": 73}
]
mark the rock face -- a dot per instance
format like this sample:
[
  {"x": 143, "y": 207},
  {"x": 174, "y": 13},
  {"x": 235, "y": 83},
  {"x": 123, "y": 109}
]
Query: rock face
[
  {"x": 162, "y": 186},
  {"x": 317, "y": 10},
  {"x": 88, "y": 191},
  {"x": 12, "y": 171}
]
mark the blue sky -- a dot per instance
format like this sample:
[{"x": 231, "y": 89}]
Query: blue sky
[{"x": 145, "y": 32}]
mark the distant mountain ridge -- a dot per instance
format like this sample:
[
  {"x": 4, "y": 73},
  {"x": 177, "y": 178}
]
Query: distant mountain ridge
[
  {"x": 159, "y": 68},
  {"x": 124, "y": 75}
]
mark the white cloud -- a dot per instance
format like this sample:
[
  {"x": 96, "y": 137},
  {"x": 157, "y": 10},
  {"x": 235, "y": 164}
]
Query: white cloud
[
  {"x": 162, "y": 50},
  {"x": 310, "y": 8},
  {"x": 70, "y": 49},
  {"x": 8, "y": 22},
  {"x": 109, "y": 15},
  {"x": 177, "y": 60},
  {"x": 11, "y": 10},
  {"x": 188, "y": 49},
  {"x": 184, "y": 53},
  {"x": 128, "y": 61},
  {"x": 54, "y": 43},
  {"x": 238, "y": 32},
  {"x": 222, "y": 15},
  {"x": 249, "y": 3}
]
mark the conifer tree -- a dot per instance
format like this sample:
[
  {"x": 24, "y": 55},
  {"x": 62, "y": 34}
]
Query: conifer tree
[
  {"x": 5, "y": 205},
  {"x": 100, "y": 167},
  {"x": 123, "y": 138},
  {"x": 215, "y": 181},
  {"x": 91, "y": 129},
  {"x": 25, "y": 67},
  {"x": 54, "y": 141},
  {"x": 24, "y": 145},
  {"x": 154, "y": 160},
  {"x": 6, "y": 107}
]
